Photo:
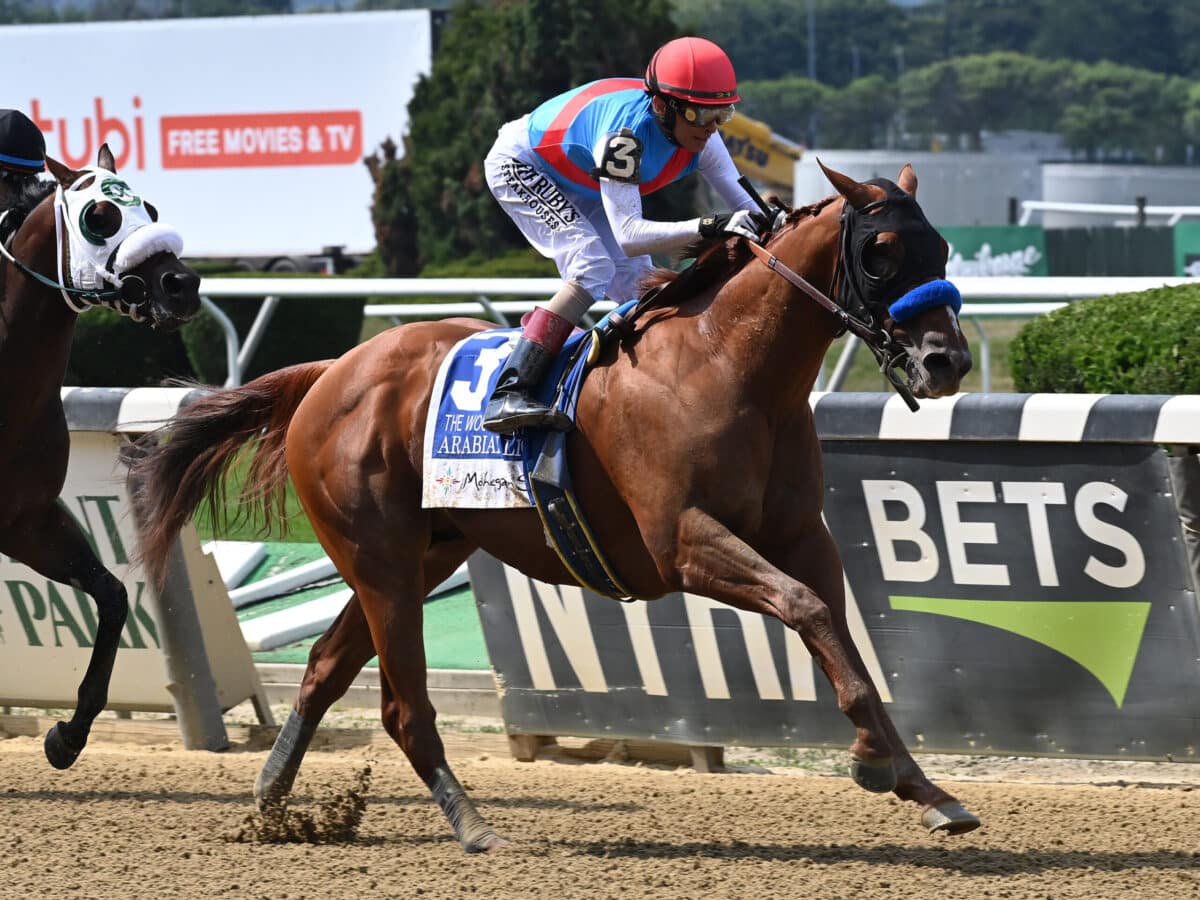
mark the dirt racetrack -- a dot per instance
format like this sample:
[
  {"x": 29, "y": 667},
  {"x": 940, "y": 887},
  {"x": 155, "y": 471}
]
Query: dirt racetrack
[{"x": 156, "y": 821}]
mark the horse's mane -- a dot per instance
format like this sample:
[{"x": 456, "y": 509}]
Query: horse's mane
[
  {"x": 25, "y": 193},
  {"x": 716, "y": 261}
]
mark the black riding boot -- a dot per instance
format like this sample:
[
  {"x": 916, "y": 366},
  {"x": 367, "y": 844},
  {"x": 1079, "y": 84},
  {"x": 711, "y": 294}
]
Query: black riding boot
[{"x": 511, "y": 406}]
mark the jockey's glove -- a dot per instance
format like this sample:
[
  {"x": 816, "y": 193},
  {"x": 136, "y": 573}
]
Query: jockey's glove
[
  {"x": 742, "y": 223},
  {"x": 779, "y": 216}
]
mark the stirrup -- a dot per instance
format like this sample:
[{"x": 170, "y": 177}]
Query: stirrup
[{"x": 511, "y": 412}]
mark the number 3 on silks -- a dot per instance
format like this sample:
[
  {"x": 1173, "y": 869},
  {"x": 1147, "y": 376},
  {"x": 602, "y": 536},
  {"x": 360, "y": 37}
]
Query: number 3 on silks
[{"x": 622, "y": 157}]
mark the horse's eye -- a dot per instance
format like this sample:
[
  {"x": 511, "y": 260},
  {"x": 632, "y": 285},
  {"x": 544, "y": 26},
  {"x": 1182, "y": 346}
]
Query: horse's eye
[
  {"x": 152, "y": 211},
  {"x": 100, "y": 221},
  {"x": 881, "y": 260}
]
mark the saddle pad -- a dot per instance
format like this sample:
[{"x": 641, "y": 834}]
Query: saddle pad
[{"x": 465, "y": 466}]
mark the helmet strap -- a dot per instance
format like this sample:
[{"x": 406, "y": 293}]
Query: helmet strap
[{"x": 665, "y": 120}]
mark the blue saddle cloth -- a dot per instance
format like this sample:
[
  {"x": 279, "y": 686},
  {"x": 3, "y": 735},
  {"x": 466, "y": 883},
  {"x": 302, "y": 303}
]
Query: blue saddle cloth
[{"x": 467, "y": 466}]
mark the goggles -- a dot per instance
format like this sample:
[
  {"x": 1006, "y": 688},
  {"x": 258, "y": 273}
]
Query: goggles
[{"x": 703, "y": 116}]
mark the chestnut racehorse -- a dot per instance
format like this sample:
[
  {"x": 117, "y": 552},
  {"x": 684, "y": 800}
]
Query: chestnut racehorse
[
  {"x": 84, "y": 240},
  {"x": 716, "y": 372}
]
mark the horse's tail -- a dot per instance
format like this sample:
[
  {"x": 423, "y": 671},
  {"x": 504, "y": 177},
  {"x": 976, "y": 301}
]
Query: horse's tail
[{"x": 183, "y": 465}]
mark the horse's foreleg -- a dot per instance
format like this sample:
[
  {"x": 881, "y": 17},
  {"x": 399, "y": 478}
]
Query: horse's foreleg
[
  {"x": 408, "y": 715},
  {"x": 334, "y": 661},
  {"x": 816, "y": 562},
  {"x": 716, "y": 563},
  {"x": 51, "y": 543}
]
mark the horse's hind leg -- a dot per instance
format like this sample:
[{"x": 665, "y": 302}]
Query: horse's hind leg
[
  {"x": 50, "y": 542},
  {"x": 335, "y": 659},
  {"x": 392, "y": 600}
]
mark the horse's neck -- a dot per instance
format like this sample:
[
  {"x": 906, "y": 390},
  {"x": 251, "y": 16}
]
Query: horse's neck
[
  {"x": 36, "y": 328},
  {"x": 774, "y": 337}
]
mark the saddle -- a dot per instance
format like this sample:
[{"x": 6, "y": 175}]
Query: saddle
[{"x": 548, "y": 476}]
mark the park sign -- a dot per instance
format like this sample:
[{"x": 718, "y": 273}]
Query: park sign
[
  {"x": 41, "y": 619},
  {"x": 47, "y": 629},
  {"x": 1016, "y": 583}
]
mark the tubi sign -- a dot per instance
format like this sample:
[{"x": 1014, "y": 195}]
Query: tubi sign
[{"x": 248, "y": 133}]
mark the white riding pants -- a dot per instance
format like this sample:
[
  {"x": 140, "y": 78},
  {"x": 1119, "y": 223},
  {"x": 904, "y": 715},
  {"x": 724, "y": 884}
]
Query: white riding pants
[{"x": 569, "y": 228}]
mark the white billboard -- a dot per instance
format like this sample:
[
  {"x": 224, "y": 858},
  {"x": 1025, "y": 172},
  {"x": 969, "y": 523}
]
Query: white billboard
[{"x": 247, "y": 133}]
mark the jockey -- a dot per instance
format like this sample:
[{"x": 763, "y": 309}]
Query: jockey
[
  {"x": 571, "y": 175},
  {"x": 22, "y": 154}
]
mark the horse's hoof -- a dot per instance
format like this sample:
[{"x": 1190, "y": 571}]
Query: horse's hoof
[
  {"x": 950, "y": 817},
  {"x": 266, "y": 798},
  {"x": 58, "y": 750},
  {"x": 486, "y": 843},
  {"x": 877, "y": 776}
]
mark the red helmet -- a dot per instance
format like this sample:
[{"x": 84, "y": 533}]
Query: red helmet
[{"x": 693, "y": 70}]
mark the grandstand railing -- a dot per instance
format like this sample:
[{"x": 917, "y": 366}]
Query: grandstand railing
[{"x": 1173, "y": 214}]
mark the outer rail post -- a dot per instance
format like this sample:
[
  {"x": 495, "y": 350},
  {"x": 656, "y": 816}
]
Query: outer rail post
[{"x": 191, "y": 685}]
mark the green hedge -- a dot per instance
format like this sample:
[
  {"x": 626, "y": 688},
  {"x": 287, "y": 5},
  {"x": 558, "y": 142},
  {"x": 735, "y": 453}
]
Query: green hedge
[
  {"x": 110, "y": 350},
  {"x": 1145, "y": 343},
  {"x": 301, "y": 329}
]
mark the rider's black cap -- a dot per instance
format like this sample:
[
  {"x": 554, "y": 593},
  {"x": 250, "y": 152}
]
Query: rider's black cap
[{"x": 22, "y": 147}]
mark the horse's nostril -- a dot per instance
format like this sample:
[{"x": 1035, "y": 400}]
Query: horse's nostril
[
  {"x": 936, "y": 363},
  {"x": 176, "y": 284}
]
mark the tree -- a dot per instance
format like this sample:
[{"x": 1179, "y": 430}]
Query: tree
[
  {"x": 971, "y": 28},
  {"x": 497, "y": 62},
  {"x": 1119, "y": 109},
  {"x": 768, "y": 40},
  {"x": 786, "y": 104},
  {"x": 996, "y": 92},
  {"x": 1137, "y": 33},
  {"x": 392, "y": 212},
  {"x": 859, "y": 115}
]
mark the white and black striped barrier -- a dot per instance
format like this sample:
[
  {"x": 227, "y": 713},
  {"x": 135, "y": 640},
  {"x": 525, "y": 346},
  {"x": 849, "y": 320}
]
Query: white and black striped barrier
[
  {"x": 182, "y": 650},
  {"x": 1018, "y": 581}
]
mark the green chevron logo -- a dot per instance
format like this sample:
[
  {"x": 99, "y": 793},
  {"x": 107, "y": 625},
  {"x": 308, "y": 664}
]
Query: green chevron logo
[{"x": 1103, "y": 638}]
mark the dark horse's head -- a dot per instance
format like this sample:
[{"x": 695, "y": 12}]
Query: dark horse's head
[
  {"x": 891, "y": 272},
  {"x": 112, "y": 250}
]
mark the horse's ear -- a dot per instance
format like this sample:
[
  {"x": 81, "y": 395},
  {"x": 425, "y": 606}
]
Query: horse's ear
[
  {"x": 64, "y": 176},
  {"x": 104, "y": 159},
  {"x": 858, "y": 195},
  {"x": 907, "y": 181}
]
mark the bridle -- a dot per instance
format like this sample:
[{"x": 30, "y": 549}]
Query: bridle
[
  {"x": 80, "y": 299},
  {"x": 888, "y": 352},
  {"x": 128, "y": 297}
]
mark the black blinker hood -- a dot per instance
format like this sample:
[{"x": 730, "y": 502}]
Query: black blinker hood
[{"x": 897, "y": 213}]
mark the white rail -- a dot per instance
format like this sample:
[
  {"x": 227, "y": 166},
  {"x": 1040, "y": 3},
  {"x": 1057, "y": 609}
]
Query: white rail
[
  {"x": 1054, "y": 292},
  {"x": 1173, "y": 213}
]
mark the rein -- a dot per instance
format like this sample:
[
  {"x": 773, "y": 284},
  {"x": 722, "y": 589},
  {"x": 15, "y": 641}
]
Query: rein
[{"x": 888, "y": 353}]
